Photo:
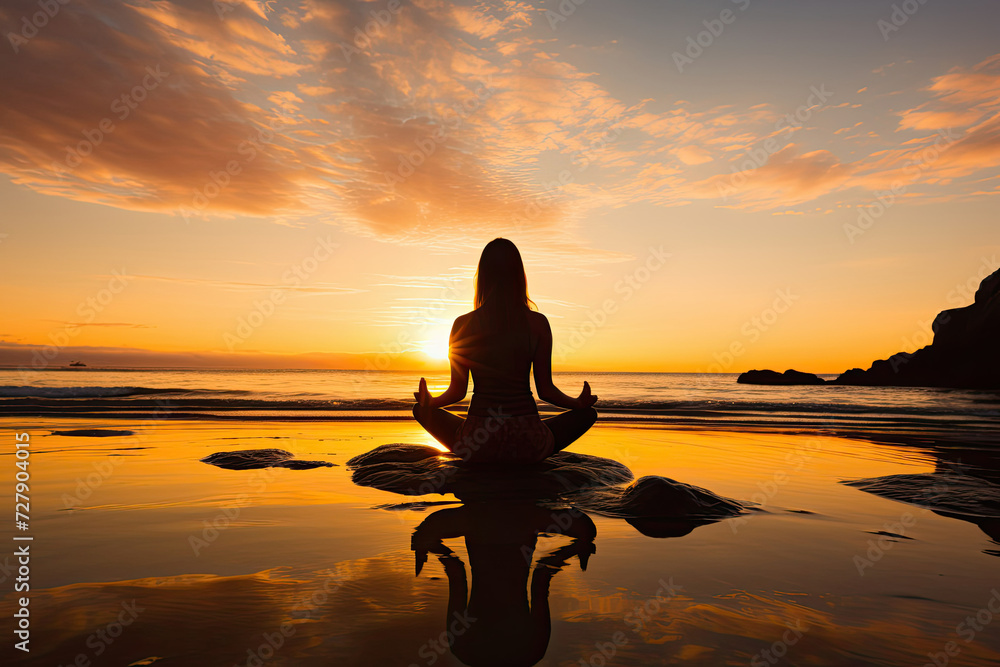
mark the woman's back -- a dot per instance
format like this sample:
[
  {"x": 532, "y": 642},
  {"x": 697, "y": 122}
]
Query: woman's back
[{"x": 498, "y": 355}]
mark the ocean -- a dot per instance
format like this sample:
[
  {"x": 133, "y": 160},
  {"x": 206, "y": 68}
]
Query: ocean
[{"x": 679, "y": 399}]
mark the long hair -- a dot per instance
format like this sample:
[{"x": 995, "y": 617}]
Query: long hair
[{"x": 501, "y": 284}]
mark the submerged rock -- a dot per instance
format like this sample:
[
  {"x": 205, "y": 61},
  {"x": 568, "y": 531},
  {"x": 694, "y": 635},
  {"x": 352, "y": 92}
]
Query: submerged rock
[
  {"x": 953, "y": 494},
  {"x": 660, "y": 497},
  {"x": 396, "y": 452},
  {"x": 656, "y": 506},
  {"x": 249, "y": 459},
  {"x": 789, "y": 377},
  {"x": 416, "y": 470}
]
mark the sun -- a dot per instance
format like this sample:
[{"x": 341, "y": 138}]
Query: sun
[{"x": 435, "y": 345}]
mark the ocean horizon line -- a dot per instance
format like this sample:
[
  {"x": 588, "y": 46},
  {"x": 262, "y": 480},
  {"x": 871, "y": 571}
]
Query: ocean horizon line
[{"x": 245, "y": 369}]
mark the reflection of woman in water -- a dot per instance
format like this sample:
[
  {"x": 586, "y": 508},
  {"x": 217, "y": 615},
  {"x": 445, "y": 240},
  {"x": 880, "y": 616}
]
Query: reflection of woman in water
[
  {"x": 496, "y": 624},
  {"x": 498, "y": 343}
]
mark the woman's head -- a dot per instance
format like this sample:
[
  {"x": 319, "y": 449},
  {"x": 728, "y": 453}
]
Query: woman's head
[{"x": 501, "y": 284}]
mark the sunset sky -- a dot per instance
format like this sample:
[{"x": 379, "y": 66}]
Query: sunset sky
[{"x": 694, "y": 186}]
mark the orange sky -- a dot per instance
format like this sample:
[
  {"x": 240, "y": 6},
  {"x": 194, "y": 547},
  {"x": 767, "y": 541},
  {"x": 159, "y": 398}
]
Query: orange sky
[{"x": 310, "y": 183}]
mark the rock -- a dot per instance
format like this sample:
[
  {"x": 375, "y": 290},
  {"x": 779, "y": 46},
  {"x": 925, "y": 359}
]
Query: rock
[
  {"x": 952, "y": 494},
  {"x": 964, "y": 353},
  {"x": 656, "y": 506},
  {"x": 249, "y": 459},
  {"x": 395, "y": 453},
  {"x": 661, "y": 498},
  {"x": 416, "y": 470},
  {"x": 789, "y": 377}
]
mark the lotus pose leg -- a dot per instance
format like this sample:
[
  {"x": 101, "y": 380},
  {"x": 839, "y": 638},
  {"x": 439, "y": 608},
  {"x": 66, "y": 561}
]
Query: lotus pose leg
[
  {"x": 569, "y": 426},
  {"x": 444, "y": 426}
]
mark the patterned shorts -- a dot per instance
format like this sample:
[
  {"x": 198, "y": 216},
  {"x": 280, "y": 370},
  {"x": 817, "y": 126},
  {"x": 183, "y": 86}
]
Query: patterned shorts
[{"x": 504, "y": 439}]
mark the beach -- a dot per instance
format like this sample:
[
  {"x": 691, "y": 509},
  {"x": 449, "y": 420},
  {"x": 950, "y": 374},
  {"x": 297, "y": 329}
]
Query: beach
[
  {"x": 284, "y": 283},
  {"x": 144, "y": 554}
]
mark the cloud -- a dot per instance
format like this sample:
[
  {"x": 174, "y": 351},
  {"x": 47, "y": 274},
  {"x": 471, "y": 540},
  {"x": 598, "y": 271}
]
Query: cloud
[
  {"x": 966, "y": 101},
  {"x": 979, "y": 85},
  {"x": 693, "y": 155},
  {"x": 957, "y": 135},
  {"x": 789, "y": 177},
  {"x": 28, "y": 357},
  {"x": 126, "y": 325},
  {"x": 103, "y": 106},
  {"x": 978, "y": 149},
  {"x": 434, "y": 119},
  {"x": 235, "y": 43},
  {"x": 316, "y": 288},
  {"x": 936, "y": 120},
  {"x": 959, "y": 98}
]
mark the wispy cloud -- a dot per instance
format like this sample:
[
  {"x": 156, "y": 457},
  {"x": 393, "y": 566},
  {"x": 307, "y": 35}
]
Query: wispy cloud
[
  {"x": 444, "y": 118},
  {"x": 316, "y": 288},
  {"x": 125, "y": 325}
]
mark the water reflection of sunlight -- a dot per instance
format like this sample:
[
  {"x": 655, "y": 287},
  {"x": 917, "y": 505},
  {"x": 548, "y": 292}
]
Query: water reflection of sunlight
[
  {"x": 428, "y": 440},
  {"x": 734, "y": 574}
]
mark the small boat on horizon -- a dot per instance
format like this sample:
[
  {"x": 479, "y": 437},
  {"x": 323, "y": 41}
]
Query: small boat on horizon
[{"x": 76, "y": 364}]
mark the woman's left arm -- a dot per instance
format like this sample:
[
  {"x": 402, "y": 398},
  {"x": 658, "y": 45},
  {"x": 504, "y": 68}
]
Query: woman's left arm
[{"x": 459, "y": 386}]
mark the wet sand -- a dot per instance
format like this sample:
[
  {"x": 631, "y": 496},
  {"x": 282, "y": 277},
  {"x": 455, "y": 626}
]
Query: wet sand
[{"x": 142, "y": 554}]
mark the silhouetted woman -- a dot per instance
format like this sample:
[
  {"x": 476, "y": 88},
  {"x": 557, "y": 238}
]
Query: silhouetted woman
[{"x": 498, "y": 343}]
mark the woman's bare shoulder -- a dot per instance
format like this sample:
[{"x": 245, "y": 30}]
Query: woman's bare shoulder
[
  {"x": 462, "y": 321},
  {"x": 537, "y": 321}
]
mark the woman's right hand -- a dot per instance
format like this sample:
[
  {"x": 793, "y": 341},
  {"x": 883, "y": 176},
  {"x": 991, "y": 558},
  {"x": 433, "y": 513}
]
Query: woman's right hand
[
  {"x": 586, "y": 399},
  {"x": 422, "y": 395}
]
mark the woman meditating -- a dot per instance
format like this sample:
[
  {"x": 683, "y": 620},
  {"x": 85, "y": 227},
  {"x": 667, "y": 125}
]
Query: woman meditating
[{"x": 498, "y": 343}]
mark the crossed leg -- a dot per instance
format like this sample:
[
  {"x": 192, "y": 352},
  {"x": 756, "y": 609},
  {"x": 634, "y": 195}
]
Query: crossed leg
[
  {"x": 568, "y": 426},
  {"x": 444, "y": 426},
  {"x": 440, "y": 423}
]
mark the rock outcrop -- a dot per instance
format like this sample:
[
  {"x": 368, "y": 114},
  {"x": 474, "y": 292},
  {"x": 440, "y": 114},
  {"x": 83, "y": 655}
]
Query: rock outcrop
[
  {"x": 789, "y": 377},
  {"x": 965, "y": 352}
]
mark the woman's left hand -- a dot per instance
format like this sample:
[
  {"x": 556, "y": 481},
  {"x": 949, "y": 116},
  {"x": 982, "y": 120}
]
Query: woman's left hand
[
  {"x": 422, "y": 395},
  {"x": 586, "y": 399}
]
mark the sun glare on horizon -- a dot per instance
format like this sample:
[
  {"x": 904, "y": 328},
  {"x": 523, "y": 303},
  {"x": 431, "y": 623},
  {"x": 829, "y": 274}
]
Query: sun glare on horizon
[{"x": 435, "y": 345}]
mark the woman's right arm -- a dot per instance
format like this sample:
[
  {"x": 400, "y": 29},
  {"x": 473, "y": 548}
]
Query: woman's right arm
[
  {"x": 459, "y": 385},
  {"x": 542, "y": 363}
]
